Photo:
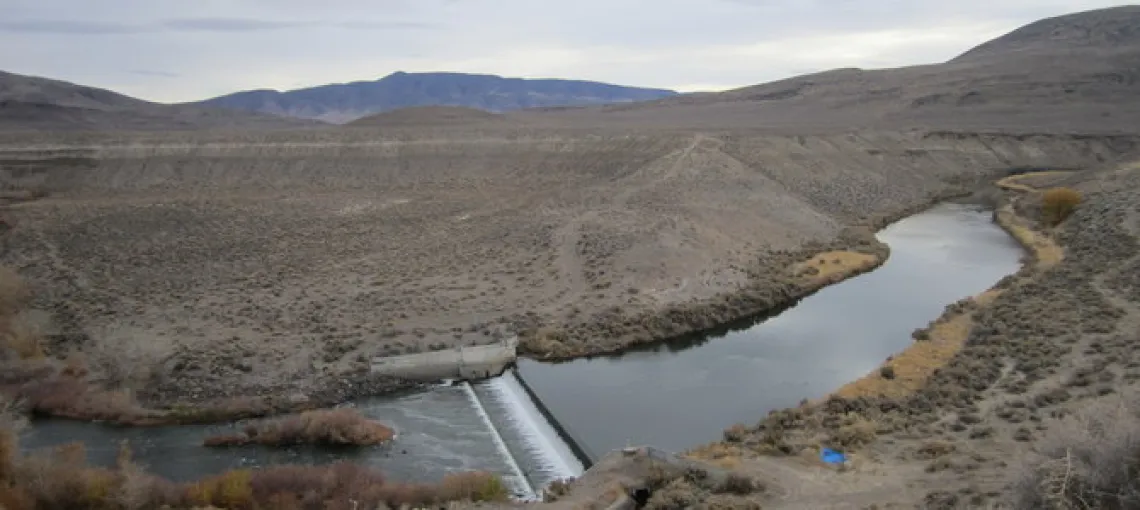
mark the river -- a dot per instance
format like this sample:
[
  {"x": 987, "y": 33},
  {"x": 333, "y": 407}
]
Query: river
[{"x": 672, "y": 396}]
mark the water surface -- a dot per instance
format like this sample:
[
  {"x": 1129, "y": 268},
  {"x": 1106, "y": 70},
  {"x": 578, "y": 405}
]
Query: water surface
[{"x": 674, "y": 397}]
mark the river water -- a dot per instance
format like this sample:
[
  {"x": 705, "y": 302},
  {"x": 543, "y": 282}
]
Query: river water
[
  {"x": 675, "y": 398},
  {"x": 672, "y": 396}
]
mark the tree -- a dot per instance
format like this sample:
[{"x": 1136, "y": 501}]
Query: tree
[{"x": 1058, "y": 203}]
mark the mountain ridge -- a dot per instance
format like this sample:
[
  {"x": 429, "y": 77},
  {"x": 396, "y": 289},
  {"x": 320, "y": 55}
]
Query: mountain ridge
[{"x": 345, "y": 102}]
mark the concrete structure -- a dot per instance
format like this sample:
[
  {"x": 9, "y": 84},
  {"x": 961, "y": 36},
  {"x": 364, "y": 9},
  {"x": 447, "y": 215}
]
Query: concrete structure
[{"x": 462, "y": 363}]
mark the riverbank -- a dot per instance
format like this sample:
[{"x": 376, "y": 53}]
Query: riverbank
[
  {"x": 996, "y": 373},
  {"x": 903, "y": 374},
  {"x": 776, "y": 282},
  {"x": 944, "y": 338}
]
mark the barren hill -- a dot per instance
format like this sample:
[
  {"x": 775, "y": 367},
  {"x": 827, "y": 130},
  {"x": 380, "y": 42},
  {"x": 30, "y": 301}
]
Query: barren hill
[
  {"x": 33, "y": 103},
  {"x": 1078, "y": 72},
  {"x": 1100, "y": 31},
  {"x": 345, "y": 102}
]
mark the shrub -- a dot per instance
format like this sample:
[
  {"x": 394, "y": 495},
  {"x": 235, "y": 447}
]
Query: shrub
[
  {"x": 738, "y": 484},
  {"x": 1087, "y": 460},
  {"x": 334, "y": 427},
  {"x": 557, "y": 489},
  {"x": 61, "y": 479},
  {"x": 72, "y": 398},
  {"x": 13, "y": 291},
  {"x": 475, "y": 487},
  {"x": 855, "y": 431},
  {"x": 1058, "y": 203}
]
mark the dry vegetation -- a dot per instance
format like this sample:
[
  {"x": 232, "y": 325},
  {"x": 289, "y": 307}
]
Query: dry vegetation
[
  {"x": 329, "y": 427},
  {"x": 662, "y": 482},
  {"x": 1086, "y": 460},
  {"x": 1058, "y": 203},
  {"x": 992, "y": 380},
  {"x": 833, "y": 266},
  {"x": 61, "y": 479},
  {"x": 271, "y": 267}
]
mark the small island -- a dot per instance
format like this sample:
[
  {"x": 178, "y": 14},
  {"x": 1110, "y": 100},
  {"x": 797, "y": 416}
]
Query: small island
[{"x": 328, "y": 427}]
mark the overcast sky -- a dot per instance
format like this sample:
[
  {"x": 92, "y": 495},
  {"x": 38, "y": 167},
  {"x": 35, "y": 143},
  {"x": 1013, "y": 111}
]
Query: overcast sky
[{"x": 180, "y": 50}]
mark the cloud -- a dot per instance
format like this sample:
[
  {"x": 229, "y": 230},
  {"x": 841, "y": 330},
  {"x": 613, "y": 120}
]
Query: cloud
[
  {"x": 389, "y": 25},
  {"x": 215, "y": 24},
  {"x": 67, "y": 27},
  {"x": 229, "y": 24},
  {"x": 151, "y": 72}
]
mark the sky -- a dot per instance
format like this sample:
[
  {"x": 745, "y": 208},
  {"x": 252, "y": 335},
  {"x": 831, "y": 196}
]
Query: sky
[{"x": 178, "y": 50}]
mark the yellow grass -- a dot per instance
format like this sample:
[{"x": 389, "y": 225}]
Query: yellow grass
[
  {"x": 1012, "y": 183},
  {"x": 914, "y": 366},
  {"x": 834, "y": 265},
  {"x": 1046, "y": 252},
  {"x": 719, "y": 454},
  {"x": 919, "y": 361}
]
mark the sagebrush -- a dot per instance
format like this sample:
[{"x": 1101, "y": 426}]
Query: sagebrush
[{"x": 1087, "y": 460}]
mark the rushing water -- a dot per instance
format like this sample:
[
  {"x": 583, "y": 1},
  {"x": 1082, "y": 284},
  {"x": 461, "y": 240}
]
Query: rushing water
[{"x": 672, "y": 396}]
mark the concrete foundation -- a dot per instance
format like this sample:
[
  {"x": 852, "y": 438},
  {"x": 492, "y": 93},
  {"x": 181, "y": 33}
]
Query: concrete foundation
[{"x": 463, "y": 363}]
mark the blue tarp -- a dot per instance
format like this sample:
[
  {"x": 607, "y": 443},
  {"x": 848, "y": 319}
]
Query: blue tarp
[{"x": 831, "y": 456}]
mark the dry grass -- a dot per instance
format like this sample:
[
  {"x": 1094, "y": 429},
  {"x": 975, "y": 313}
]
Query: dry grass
[
  {"x": 13, "y": 291},
  {"x": 1013, "y": 182},
  {"x": 332, "y": 427},
  {"x": 1087, "y": 460},
  {"x": 17, "y": 337},
  {"x": 60, "y": 479},
  {"x": 911, "y": 368},
  {"x": 722, "y": 455},
  {"x": 1046, "y": 252},
  {"x": 832, "y": 266}
]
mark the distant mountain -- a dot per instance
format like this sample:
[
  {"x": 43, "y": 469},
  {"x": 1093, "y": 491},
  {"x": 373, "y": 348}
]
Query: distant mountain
[
  {"x": 345, "y": 102},
  {"x": 41, "y": 104}
]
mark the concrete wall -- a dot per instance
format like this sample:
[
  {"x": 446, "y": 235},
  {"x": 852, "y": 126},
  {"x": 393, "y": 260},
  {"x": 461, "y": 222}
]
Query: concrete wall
[{"x": 464, "y": 363}]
